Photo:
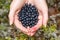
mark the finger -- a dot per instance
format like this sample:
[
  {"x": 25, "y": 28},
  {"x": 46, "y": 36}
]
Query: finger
[
  {"x": 11, "y": 17},
  {"x": 43, "y": 8},
  {"x": 15, "y": 5},
  {"x": 40, "y": 15},
  {"x": 32, "y": 33},
  {"x": 28, "y": 28},
  {"x": 45, "y": 19}
]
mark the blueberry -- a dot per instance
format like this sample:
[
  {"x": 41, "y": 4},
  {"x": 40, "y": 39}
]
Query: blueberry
[
  {"x": 26, "y": 13},
  {"x": 27, "y": 24},
  {"x": 27, "y": 19},
  {"x": 33, "y": 15}
]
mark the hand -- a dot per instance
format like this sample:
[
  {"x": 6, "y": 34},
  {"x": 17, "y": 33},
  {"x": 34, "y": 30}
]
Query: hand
[
  {"x": 15, "y": 7},
  {"x": 43, "y": 15},
  {"x": 20, "y": 26}
]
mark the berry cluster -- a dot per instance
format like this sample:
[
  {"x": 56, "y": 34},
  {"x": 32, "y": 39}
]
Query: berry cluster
[{"x": 28, "y": 15}]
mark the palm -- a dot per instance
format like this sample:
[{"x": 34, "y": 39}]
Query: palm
[
  {"x": 19, "y": 25},
  {"x": 37, "y": 26}
]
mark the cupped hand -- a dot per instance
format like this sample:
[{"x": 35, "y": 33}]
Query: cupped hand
[
  {"x": 15, "y": 7},
  {"x": 43, "y": 15},
  {"x": 19, "y": 25}
]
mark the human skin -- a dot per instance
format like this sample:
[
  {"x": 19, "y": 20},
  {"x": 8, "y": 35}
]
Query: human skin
[{"x": 16, "y": 6}]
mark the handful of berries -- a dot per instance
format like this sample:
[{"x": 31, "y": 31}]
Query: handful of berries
[{"x": 28, "y": 15}]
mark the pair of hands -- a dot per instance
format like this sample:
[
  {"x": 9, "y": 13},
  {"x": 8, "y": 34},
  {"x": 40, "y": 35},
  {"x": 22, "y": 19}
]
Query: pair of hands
[{"x": 16, "y": 6}]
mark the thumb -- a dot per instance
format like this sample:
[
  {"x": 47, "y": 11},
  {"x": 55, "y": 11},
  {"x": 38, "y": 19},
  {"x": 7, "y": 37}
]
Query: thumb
[{"x": 11, "y": 17}]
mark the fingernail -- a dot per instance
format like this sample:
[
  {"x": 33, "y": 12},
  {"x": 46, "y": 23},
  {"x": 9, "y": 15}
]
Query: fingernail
[
  {"x": 45, "y": 25},
  {"x": 27, "y": 31},
  {"x": 10, "y": 23},
  {"x": 40, "y": 17},
  {"x": 31, "y": 34}
]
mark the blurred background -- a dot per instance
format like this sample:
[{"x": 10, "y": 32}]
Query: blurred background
[{"x": 51, "y": 32}]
